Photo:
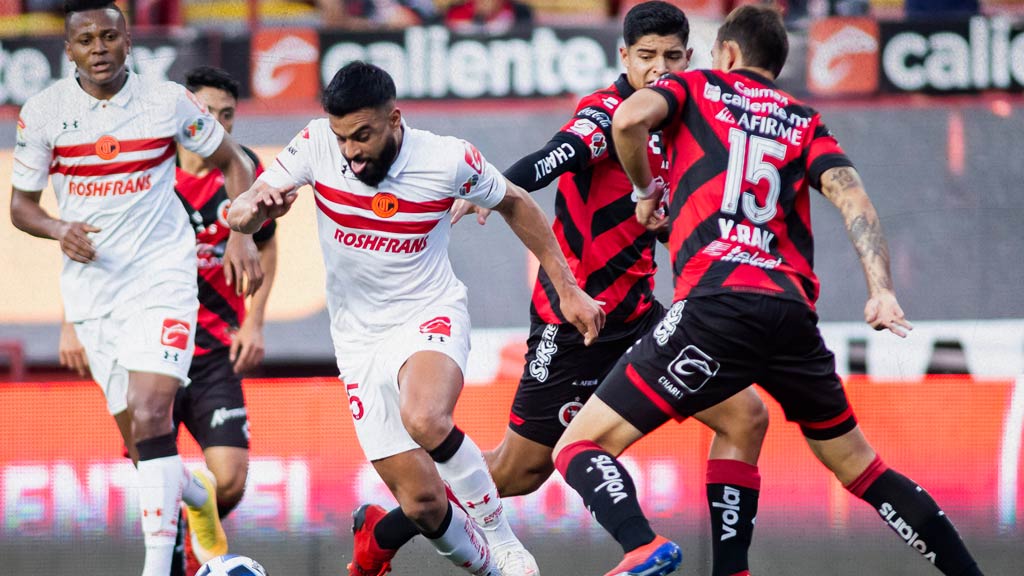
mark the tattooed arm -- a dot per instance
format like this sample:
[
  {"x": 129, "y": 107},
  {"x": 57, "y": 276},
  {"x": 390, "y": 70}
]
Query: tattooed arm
[{"x": 843, "y": 187}]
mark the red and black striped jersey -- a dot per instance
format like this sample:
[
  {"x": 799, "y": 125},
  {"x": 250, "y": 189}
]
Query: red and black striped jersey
[
  {"x": 221, "y": 311},
  {"x": 743, "y": 154},
  {"x": 610, "y": 253}
]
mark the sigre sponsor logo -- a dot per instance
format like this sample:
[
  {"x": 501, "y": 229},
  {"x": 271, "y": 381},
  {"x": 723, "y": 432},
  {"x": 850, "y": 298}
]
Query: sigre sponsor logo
[
  {"x": 545, "y": 352},
  {"x": 979, "y": 54},
  {"x": 431, "y": 63},
  {"x": 668, "y": 324}
]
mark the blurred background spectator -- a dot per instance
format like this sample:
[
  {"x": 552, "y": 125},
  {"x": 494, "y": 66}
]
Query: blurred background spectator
[
  {"x": 922, "y": 9},
  {"x": 487, "y": 16},
  {"x": 375, "y": 14}
]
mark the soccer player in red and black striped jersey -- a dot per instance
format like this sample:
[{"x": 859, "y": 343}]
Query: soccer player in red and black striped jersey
[
  {"x": 744, "y": 155},
  {"x": 612, "y": 257},
  {"x": 229, "y": 335}
]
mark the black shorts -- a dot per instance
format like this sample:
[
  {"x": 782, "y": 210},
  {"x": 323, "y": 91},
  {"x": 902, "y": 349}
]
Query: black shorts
[
  {"x": 212, "y": 407},
  {"x": 561, "y": 373},
  {"x": 709, "y": 348}
]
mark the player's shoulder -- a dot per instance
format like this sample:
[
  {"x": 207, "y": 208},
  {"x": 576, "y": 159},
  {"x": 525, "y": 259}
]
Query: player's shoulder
[
  {"x": 50, "y": 100},
  {"x": 606, "y": 99}
]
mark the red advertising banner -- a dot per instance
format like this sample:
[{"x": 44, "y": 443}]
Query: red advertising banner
[{"x": 62, "y": 473}]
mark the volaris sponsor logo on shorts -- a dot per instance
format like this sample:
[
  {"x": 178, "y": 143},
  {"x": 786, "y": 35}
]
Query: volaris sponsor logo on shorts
[
  {"x": 545, "y": 352},
  {"x": 611, "y": 476}
]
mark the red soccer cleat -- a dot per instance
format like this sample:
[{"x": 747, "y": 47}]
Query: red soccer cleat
[
  {"x": 192, "y": 564},
  {"x": 660, "y": 557},
  {"x": 368, "y": 559}
]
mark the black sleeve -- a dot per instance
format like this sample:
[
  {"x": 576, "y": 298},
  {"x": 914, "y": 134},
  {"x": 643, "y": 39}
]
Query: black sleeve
[{"x": 563, "y": 153}]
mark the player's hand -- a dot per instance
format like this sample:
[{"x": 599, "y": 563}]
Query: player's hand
[
  {"x": 583, "y": 312},
  {"x": 651, "y": 215},
  {"x": 883, "y": 312},
  {"x": 463, "y": 207},
  {"x": 246, "y": 350},
  {"x": 258, "y": 204},
  {"x": 70, "y": 351},
  {"x": 75, "y": 242},
  {"x": 242, "y": 268}
]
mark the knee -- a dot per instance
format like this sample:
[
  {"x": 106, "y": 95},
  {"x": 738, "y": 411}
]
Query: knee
[
  {"x": 427, "y": 428},
  {"x": 229, "y": 493},
  {"x": 148, "y": 413},
  {"x": 519, "y": 479},
  {"x": 749, "y": 426},
  {"x": 424, "y": 507}
]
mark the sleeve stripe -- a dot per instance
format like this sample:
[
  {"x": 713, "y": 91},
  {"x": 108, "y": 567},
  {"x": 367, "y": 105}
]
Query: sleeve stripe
[{"x": 823, "y": 163}]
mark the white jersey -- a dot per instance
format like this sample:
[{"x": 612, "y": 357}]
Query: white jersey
[
  {"x": 386, "y": 247},
  {"x": 111, "y": 163}
]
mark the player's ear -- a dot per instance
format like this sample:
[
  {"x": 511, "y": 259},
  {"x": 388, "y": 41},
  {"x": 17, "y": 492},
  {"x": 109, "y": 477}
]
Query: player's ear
[
  {"x": 689, "y": 56},
  {"x": 395, "y": 118},
  {"x": 732, "y": 55},
  {"x": 624, "y": 56}
]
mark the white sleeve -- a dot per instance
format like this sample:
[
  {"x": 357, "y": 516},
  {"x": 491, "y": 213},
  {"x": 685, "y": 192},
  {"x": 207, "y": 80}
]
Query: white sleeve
[
  {"x": 477, "y": 180},
  {"x": 33, "y": 152},
  {"x": 197, "y": 131},
  {"x": 294, "y": 164}
]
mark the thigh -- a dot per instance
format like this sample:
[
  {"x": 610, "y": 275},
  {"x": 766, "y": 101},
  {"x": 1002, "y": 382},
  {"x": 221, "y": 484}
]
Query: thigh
[
  {"x": 801, "y": 376},
  {"x": 99, "y": 338},
  {"x": 699, "y": 355},
  {"x": 157, "y": 333},
  {"x": 371, "y": 373},
  {"x": 212, "y": 407}
]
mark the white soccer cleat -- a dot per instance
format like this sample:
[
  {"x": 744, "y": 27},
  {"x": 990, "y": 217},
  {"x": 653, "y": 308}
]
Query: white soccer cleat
[{"x": 516, "y": 561}]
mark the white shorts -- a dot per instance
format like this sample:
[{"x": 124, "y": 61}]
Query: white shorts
[
  {"x": 371, "y": 374},
  {"x": 155, "y": 333}
]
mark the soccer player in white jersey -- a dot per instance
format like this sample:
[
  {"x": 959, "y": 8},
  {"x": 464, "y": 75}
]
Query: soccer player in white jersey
[
  {"x": 398, "y": 313},
  {"x": 129, "y": 276}
]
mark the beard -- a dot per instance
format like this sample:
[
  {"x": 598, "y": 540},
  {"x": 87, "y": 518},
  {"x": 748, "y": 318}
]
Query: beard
[{"x": 376, "y": 169}]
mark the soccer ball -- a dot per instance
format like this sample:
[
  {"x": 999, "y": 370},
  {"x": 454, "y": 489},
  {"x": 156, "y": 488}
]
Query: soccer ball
[{"x": 232, "y": 565}]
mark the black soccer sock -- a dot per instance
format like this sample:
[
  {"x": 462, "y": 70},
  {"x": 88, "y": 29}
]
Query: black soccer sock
[
  {"x": 608, "y": 492},
  {"x": 394, "y": 530},
  {"x": 733, "y": 489},
  {"x": 912, "y": 513}
]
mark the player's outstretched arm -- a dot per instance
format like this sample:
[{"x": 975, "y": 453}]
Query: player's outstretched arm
[
  {"x": 242, "y": 269},
  {"x": 28, "y": 216},
  {"x": 259, "y": 203},
  {"x": 528, "y": 222},
  {"x": 843, "y": 187},
  {"x": 631, "y": 126}
]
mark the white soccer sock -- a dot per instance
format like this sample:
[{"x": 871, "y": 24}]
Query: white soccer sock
[
  {"x": 467, "y": 475},
  {"x": 463, "y": 546},
  {"x": 193, "y": 491},
  {"x": 160, "y": 483}
]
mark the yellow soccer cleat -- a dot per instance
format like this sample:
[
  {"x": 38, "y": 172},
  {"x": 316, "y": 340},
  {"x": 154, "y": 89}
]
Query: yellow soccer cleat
[{"x": 205, "y": 530}]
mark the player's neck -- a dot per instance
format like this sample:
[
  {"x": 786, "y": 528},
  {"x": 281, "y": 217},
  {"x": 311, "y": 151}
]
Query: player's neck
[
  {"x": 759, "y": 71},
  {"x": 107, "y": 90},
  {"x": 193, "y": 163}
]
